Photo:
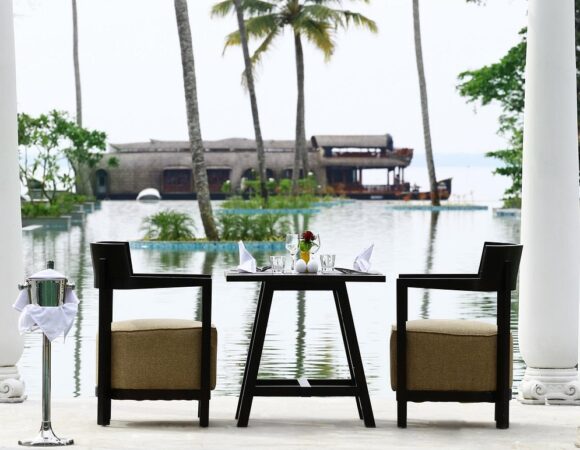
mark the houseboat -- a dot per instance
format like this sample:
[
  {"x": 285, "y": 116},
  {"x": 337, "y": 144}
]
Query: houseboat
[{"x": 336, "y": 161}]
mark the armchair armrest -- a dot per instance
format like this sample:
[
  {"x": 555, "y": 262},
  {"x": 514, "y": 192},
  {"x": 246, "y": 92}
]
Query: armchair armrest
[
  {"x": 445, "y": 282},
  {"x": 438, "y": 275},
  {"x": 153, "y": 281}
]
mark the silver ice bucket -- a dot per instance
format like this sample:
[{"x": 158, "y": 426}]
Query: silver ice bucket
[{"x": 46, "y": 291}]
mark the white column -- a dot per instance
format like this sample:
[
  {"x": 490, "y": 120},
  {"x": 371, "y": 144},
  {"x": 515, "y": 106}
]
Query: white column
[
  {"x": 550, "y": 268},
  {"x": 11, "y": 260}
]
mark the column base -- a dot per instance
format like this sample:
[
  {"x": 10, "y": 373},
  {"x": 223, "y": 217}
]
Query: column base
[
  {"x": 550, "y": 387},
  {"x": 11, "y": 386}
]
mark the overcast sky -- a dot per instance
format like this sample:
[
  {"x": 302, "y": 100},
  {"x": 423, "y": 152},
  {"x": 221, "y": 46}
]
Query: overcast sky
[{"x": 132, "y": 81}]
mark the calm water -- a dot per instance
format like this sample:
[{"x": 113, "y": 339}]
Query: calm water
[{"x": 303, "y": 334}]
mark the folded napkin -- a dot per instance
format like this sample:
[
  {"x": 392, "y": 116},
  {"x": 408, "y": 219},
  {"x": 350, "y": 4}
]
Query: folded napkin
[
  {"x": 52, "y": 320},
  {"x": 247, "y": 261},
  {"x": 362, "y": 262}
]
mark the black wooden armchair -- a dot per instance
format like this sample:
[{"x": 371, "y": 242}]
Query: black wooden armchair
[
  {"x": 457, "y": 360},
  {"x": 150, "y": 359}
]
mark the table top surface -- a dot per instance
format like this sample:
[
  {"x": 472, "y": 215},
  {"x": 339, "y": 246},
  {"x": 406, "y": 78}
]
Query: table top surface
[{"x": 234, "y": 275}]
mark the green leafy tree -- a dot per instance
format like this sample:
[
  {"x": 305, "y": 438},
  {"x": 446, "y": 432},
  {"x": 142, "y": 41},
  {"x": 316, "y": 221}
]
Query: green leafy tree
[
  {"x": 60, "y": 147},
  {"x": 503, "y": 83},
  {"x": 313, "y": 20}
]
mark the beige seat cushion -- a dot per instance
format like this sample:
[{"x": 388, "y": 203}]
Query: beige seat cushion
[
  {"x": 159, "y": 354},
  {"x": 449, "y": 355}
]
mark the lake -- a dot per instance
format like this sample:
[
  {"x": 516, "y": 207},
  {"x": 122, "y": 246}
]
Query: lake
[{"x": 303, "y": 337}]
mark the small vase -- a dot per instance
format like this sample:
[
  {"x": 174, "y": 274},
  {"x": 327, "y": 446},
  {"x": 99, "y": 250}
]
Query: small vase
[{"x": 305, "y": 256}]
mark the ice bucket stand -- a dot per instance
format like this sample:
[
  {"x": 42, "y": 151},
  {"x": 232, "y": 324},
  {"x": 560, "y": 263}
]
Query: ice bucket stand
[{"x": 46, "y": 437}]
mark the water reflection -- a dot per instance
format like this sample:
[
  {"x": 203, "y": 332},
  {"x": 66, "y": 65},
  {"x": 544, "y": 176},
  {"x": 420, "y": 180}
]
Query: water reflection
[
  {"x": 424, "y": 311},
  {"x": 303, "y": 337}
]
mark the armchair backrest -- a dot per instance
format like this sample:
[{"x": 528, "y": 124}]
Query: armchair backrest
[
  {"x": 118, "y": 260},
  {"x": 494, "y": 257}
]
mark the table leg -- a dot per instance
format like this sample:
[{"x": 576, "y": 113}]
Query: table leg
[
  {"x": 252, "y": 339},
  {"x": 251, "y": 377},
  {"x": 359, "y": 373},
  {"x": 346, "y": 349}
]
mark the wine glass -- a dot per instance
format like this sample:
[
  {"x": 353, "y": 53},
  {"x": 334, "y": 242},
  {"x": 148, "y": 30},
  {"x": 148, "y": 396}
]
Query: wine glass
[{"x": 292, "y": 246}]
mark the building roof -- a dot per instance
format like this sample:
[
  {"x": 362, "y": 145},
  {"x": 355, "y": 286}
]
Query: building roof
[
  {"x": 229, "y": 144},
  {"x": 353, "y": 141},
  {"x": 242, "y": 144}
]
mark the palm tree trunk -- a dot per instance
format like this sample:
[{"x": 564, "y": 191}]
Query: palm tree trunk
[
  {"x": 79, "y": 101},
  {"x": 424, "y": 105},
  {"x": 82, "y": 172},
  {"x": 253, "y": 100},
  {"x": 193, "y": 126},
  {"x": 300, "y": 152}
]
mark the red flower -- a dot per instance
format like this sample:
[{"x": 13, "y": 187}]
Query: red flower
[{"x": 308, "y": 236}]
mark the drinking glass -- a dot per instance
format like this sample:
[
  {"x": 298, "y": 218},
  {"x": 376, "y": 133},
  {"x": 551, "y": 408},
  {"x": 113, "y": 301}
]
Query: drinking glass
[
  {"x": 327, "y": 263},
  {"x": 277, "y": 263},
  {"x": 292, "y": 246}
]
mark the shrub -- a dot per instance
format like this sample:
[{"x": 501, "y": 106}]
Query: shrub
[
  {"x": 169, "y": 225},
  {"x": 64, "y": 203},
  {"x": 253, "y": 227}
]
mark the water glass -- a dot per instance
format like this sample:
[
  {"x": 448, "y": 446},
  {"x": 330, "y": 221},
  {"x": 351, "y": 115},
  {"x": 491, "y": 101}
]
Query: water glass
[
  {"x": 327, "y": 263},
  {"x": 277, "y": 263}
]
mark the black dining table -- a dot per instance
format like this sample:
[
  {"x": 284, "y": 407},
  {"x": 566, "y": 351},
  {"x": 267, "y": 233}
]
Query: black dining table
[{"x": 355, "y": 386}]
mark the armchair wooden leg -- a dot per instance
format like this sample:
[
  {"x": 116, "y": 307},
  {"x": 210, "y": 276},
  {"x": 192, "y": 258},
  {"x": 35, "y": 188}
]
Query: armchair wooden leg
[
  {"x": 203, "y": 412},
  {"x": 401, "y": 414},
  {"x": 103, "y": 411},
  {"x": 502, "y": 412}
]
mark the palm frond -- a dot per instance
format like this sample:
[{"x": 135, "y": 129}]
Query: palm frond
[
  {"x": 319, "y": 33},
  {"x": 257, "y": 7},
  {"x": 323, "y": 13},
  {"x": 256, "y": 28},
  {"x": 264, "y": 46},
  {"x": 261, "y": 26},
  {"x": 223, "y": 8},
  {"x": 359, "y": 20}
]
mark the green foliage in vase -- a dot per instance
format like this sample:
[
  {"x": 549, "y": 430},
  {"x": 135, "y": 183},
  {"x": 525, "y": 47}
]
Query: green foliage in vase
[
  {"x": 169, "y": 225},
  {"x": 253, "y": 227}
]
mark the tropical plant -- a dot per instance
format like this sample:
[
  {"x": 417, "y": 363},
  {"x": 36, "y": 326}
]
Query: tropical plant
[
  {"x": 64, "y": 203},
  {"x": 60, "y": 147},
  {"x": 435, "y": 201},
  {"x": 503, "y": 82},
  {"x": 168, "y": 225},
  {"x": 193, "y": 125},
  {"x": 253, "y": 227},
  {"x": 313, "y": 20}
]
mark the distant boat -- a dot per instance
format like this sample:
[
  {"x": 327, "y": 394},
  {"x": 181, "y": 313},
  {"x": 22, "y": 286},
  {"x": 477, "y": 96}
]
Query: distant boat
[{"x": 149, "y": 195}]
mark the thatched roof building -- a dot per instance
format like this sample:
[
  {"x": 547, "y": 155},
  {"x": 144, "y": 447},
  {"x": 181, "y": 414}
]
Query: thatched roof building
[{"x": 166, "y": 165}]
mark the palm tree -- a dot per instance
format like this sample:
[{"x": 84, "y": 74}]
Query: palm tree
[
  {"x": 193, "y": 126},
  {"x": 79, "y": 101},
  {"x": 424, "y": 105},
  {"x": 82, "y": 180},
  {"x": 313, "y": 20},
  {"x": 249, "y": 82}
]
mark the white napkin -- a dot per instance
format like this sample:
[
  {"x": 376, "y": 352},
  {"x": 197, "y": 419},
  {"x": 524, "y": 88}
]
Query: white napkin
[
  {"x": 362, "y": 262},
  {"x": 53, "y": 320},
  {"x": 247, "y": 261}
]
